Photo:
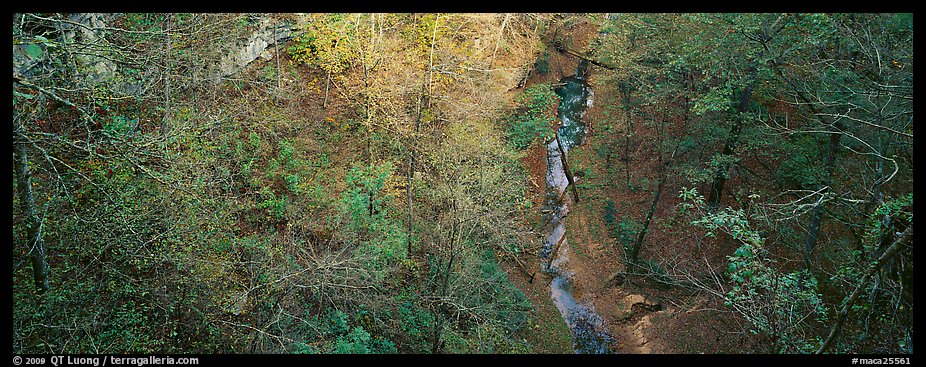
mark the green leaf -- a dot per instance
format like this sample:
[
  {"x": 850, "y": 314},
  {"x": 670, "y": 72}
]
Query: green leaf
[{"x": 34, "y": 51}]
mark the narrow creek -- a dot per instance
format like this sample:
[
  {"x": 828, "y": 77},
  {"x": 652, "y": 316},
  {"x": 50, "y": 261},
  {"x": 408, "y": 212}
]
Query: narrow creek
[{"x": 589, "y": 332}]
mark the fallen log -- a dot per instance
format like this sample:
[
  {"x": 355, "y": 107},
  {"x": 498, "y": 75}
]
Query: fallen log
[
  {"x": 555, "y": 249},
  {"x": 521, "y": 266},
  {"x": 561, "y": 48},
  {"x": 562, "y": 157}
]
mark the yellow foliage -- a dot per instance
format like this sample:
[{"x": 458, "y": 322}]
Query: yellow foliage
[{"x": 395, "y": 185}]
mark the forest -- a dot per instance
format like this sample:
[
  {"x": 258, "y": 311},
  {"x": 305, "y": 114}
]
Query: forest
[{"x": 462, "y": 183}]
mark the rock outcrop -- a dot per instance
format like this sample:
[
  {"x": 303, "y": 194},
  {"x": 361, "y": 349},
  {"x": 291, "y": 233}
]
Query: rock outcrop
[{"x": 249, "y": 50}]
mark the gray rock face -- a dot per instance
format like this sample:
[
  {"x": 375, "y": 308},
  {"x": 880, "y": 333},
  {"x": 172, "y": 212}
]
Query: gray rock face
[
  {"x": 98, "y": 69},
  {"x": 84, "y": 35},
  {"x": 252, "y": 48},
  {"x": 85, "y": 31}
]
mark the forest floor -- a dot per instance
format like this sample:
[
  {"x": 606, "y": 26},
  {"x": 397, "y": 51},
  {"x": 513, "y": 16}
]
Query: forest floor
[{"x": 642, "y": 315}]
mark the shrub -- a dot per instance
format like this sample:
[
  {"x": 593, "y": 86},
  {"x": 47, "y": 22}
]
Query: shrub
[
  {"x": 625, "y": 230},
  {"x": 359, "y": 341},
  {"x": 531, "y": 121}
]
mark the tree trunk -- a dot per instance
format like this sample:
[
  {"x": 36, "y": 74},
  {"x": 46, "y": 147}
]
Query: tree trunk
[
  {"x": 562, "y": 48},
  {"x": 27, "y": 205},
  {"x": 424, "y": 100},
  {"x": 166, "y": 75},
  {"x": 554, "y": 251},
  {"x": 276, "y": 53},
  {"x": 436, "y": 345},
  {"x": 501, "y": 33},
  {"x": 816, "y": 216},
  {"x": 408, "y": 194},
  {"x": 720, "y": 179},
  {"x": 638, "y": 244},
  {"x": 625, "y": 91},
  {"x": 813, "y": 230},
  {"x": 863, "y": 284},
  {"x": 411, "y": 166},
  {"x": 562, "y": 157},
  {"x": 370, "y": 201}
]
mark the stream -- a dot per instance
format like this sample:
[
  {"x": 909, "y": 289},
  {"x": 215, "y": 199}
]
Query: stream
[{"x": 589, "y": 332}]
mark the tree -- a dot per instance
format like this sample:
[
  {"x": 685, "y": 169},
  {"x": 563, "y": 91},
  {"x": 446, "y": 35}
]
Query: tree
[
  {"x": 818, "y": 107},
  {"x": 35, "y": 243},
  {"x": 787, "y": 306},
  {"x": 475, "y": 186},
  {"x": 853, "y": 78}
]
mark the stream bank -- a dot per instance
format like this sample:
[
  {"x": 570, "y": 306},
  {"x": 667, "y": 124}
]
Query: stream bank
[
  {"x": 642, "y": 317},
  {"x": 589, "y": 330},
  {"x": 589, "y": 251}
]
